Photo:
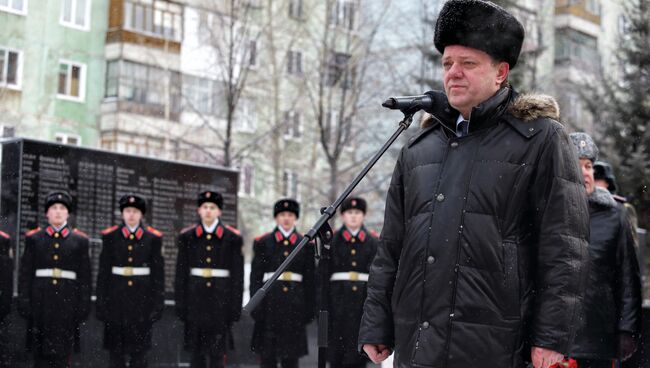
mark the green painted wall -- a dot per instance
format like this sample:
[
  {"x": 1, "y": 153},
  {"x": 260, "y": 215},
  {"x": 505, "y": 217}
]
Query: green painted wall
[{"x": 44, "y": 41}]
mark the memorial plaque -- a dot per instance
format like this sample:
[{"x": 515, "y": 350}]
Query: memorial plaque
[{"x": 96, "y": 180}]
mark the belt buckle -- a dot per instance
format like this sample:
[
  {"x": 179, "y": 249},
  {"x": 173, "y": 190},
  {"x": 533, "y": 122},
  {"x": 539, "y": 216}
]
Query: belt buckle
[
  {"x": 56, "y": 273},
  {"x": 207, "y": 272},
  {"x": 287, "y": 276},
  {"x": 354, "y": 276},
  {"x": 128, "y": 271}
]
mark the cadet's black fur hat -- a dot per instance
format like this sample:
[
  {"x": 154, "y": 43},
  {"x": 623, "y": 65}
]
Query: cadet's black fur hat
[
  {"x": 604, "y": 171},
  {"x": 480, "y": 25},
  {"x": 133, "y": 200},
  {"x": 210, "y": 196},
  {"x": 354, "y": 203},
  {"x": 286, "y": 204},
  {"x": 58, "y": 196}
]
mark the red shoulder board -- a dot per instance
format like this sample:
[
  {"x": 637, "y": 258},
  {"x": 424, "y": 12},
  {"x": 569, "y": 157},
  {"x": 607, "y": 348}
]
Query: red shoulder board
[
  {"x": 33, "y": 231},
  {"x": 234, "y": 230},
  {"x": 186, "y": 229},
  {"x": 374, "y": 233},
  {"x": 4, "y": 235},
  {"x": 110, "y": 230},
  {"x": 261, "y": 236},
  {"x": 154, "y": 231},
  {"x": 79, "y": 232}
]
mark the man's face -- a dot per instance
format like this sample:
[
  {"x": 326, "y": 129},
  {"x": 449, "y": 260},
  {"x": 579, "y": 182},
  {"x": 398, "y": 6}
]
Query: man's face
[
  {"x": 286, "y": 219},
  {"x": 57, "y": 214},
  {"x": 588, "y": 174},
  {"x": 353, "y": 218},
  {"x": 132, "y": 216},
  {"x": 470, "y": 77},
  {"x": 209, "y": 212}
]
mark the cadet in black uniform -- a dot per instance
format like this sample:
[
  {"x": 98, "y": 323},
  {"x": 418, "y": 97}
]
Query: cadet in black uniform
[
  {"x": 352, "y": 251},
  {"x": 6, "y": 293},
  {"x": 54, "y": 284},
  {"x": 280, "y": 333},
  {"x": 6, "y": 271},
  {"x": 209, "y": 282},
  {"x": 130, "y": 284}
]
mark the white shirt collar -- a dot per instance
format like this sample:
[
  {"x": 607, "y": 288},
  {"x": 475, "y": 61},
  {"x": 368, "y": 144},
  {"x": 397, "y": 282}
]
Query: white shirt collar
[
  {"x": 286, "y": 233},
  {"x": 57, "y": 229},
  {"x": 353, "y": 232},
  {"x": 459, "y": 120},
  {"x": 132, "y": 229},
  {"x": 210, "y": 229}
]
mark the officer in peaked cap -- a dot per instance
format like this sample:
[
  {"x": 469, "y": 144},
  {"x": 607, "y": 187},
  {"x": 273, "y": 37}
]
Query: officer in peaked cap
[
  {"x": 280, "y": 335},
  {"x": 54, "y": 284},
  {"x": 209, "y": 282},
  {"x": 352, "y": 251},
  {"x": 130, "y": 284}
]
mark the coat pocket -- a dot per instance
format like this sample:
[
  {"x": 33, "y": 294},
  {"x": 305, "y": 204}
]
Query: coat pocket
[{"x": 511, "y": 280}]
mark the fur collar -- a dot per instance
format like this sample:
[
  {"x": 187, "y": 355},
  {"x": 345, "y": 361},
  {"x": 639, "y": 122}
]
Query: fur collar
[
  {"x": 602, "y": 197},
  {"x": 525, "y": 107}
]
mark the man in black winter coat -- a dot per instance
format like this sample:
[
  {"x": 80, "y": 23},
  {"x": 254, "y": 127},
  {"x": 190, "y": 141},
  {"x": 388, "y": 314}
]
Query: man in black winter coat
[
  {"x": 54, "y": 285},
  {"x": 480, "y": 262},
  {"x": 130, "y": 285},
  {"x": 612, "y": 312}
]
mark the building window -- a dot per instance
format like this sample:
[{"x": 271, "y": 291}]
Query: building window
[
  {"x": 156, "y": 17},
  {"x": 294, "y": 62},
  {"x": 202, "y": 96},
  {"x": 246, "y": 117},
  {"x": 343, "y": 14},
  {"x": 145, "y": 85},
  {"x": 112, "y": 78},
  {"x": 246, "y": 177},
  {"x": 65, "y": 138},
  {"x": 571, "y": 45},
  {"x": 75, "y": 13},
  {"x": 338, "y": 71},
  {"x": 593, "y": 6},
  {"x": 72, "y": 80},
  {"x": 335, "y": 127},
  {"x": 293, "y": 128},
  {"x": 10, "y": 68},
  {"x": 14, "y": 6},
  {"x": 290, "y": 184},
  {"x": 254, "y": 3},
  {"x": 295, "y": 9},
  {"x": 252, "y": 53}
]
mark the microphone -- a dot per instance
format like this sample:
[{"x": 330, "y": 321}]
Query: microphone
[{"x": 412, "y": 104}]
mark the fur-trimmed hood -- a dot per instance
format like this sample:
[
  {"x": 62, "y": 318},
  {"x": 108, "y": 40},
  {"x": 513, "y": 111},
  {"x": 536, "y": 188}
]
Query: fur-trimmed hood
[
  {"x": 525, "y": 107},
  {"x": 602, "y": 197}
]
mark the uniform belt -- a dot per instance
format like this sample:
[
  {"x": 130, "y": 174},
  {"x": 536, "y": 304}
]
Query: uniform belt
[
  {"x": 209, "y": 272},
  {"x": 349, "y": 276},
  {"x": 56, "y": 273},
  {"x": 284, "y": 276},
  {"x": 131, "y": 271}
]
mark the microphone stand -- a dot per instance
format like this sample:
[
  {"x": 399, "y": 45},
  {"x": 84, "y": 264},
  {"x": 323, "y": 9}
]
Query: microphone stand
[{"x": 322, "y": 233}]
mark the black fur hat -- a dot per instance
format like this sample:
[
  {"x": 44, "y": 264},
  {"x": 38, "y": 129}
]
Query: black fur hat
[
  {"x": 480, "y": 25},
  {"x": 287, "y": 204},
  {"x": 58, "y": 197},
  {"x": 135, "y": 201},
  {"x": 354, "y": 203},
  {"x": 210, "y": 196}
]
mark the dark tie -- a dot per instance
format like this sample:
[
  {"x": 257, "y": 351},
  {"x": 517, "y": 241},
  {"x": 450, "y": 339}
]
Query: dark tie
[{"x": 462, "y": 129}]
